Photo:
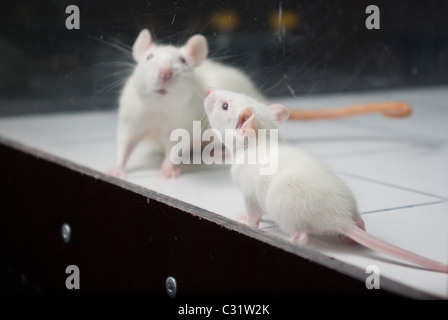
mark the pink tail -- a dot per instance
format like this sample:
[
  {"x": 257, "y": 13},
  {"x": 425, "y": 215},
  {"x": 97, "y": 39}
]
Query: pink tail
[{"x": 362, "y": 237}]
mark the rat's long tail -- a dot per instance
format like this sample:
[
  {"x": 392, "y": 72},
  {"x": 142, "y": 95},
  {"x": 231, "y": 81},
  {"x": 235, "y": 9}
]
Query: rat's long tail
[
  {"x": 390, "y": 109},
  {"x": 371, "y": 242}
]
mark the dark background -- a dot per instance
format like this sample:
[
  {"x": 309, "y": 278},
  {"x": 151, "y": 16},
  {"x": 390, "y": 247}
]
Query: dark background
[{"x": 46, "y": 67}]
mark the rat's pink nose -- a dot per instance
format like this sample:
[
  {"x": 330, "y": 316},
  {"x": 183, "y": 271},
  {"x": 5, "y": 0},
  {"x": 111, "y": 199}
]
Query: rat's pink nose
[{"x": 165, "y": 73}]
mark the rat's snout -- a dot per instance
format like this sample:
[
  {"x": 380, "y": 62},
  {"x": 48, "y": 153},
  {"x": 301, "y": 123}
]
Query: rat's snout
[{"x": 165, "y": 73}]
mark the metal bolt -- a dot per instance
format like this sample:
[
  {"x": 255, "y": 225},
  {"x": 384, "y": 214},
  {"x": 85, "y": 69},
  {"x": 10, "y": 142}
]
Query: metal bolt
[
  {"x": 66, "y": 232},
  {"x": 171, "y": 287}
]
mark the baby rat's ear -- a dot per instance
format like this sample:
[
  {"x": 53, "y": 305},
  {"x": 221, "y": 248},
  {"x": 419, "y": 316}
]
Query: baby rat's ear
[
  {"x": 246, "y": 120},
  {"x": 141, "y": 44},
  {"x": 197, "y": 49},
  {"x": 280, "y": 112}
]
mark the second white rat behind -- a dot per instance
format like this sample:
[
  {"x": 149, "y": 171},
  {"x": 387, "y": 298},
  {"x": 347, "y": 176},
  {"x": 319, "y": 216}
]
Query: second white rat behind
[{"x": 303, "y": 196}]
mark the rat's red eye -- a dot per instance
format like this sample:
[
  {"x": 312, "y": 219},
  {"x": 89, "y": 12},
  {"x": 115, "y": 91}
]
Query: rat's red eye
[
  {"x": 149, "y": 56},
  {"x": 182, "y": 59},
  {"x": 225, "y": 106}
]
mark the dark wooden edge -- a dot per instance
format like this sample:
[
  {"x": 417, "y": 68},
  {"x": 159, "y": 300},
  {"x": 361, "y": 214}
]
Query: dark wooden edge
[{"x": 323, "y": 271}]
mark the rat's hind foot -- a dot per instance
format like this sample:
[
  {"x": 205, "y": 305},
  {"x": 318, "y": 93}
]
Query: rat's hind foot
[
  {"x": 253, "y": 222},
  {"x": 246, "y": 219},
  {"x": 299, "y": 238}
]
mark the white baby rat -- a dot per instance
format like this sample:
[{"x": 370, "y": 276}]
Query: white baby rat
[
  {"x": 303, "y": 196},
  {"x": 165, "y": 92}
]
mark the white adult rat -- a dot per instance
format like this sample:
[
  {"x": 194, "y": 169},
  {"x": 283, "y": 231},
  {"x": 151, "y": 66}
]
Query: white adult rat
[
  {"x": 165, "y": 92},
  {"x": 303, "y": 196}
]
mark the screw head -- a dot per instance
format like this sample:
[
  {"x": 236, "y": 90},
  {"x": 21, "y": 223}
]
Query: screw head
[
  {"x": 66, "y": 232},
  {"x": 171, "y": 287}
]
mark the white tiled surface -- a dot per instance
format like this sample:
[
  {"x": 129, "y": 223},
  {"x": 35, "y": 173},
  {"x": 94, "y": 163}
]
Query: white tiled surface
[{"x": 396, "y": 168}]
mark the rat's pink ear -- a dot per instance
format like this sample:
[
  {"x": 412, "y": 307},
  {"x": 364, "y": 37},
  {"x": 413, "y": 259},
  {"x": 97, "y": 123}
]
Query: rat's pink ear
[
  {"x": 141, "y": 44},
  {"x": 197, "y": 49},
  {"x": 280, "y": 112},
  {"x": 246, "y": 120}
]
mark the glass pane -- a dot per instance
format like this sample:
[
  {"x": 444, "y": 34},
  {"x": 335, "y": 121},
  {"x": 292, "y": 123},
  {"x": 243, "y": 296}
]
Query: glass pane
[{"x": 288, "y": 48}]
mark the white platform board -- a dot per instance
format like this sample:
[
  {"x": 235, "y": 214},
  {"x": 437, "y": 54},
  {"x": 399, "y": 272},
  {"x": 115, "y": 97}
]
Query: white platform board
[{"x": 398, "y": 170}]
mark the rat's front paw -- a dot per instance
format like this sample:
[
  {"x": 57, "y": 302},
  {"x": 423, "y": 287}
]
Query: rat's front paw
[
  {"x": 169, "y": 171},
  {"x": 117, "y": 172}
]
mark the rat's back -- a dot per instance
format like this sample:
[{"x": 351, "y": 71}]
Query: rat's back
[
  {"x": 305, "y": 195},
  {"x": 217, "y": 75}
]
